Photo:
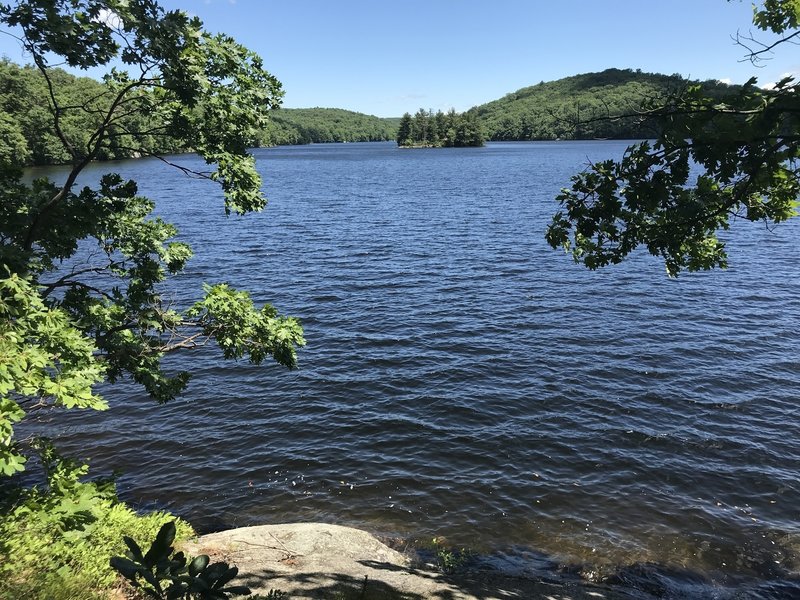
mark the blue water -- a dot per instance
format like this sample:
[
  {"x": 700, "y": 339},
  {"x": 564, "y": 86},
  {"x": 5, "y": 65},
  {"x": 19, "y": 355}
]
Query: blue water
[{"x": 462, "y": 379}]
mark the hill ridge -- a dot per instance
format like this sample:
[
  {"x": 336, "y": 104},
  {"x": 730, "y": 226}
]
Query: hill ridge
[
  {"x": 547, "y": 110},
  {"x": 559, "y": 109}
]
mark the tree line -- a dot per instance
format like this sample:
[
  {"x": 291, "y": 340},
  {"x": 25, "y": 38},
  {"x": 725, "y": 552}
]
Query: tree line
[
  {"x": 27, "y": 136},
  {"x": 607, "y": 104},
  {"x": 575, "y": 107},
  {"x": 428, "y": 130},
  {"x": 289, "y": 126}
]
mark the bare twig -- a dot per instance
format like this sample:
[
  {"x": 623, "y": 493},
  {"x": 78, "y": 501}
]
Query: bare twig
[
  {"x": 757, "y": 56},
  {"x": 49, "y": 287}
]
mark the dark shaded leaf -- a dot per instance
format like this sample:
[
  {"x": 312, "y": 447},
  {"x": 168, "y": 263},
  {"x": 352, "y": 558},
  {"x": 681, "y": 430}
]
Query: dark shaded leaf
[
  {"x": 226, "y": 577},
  {"x": 162, "y": 545},
  {"x": 136, "y": 552},
  {"x": 198, "y": 564},
  {"x": 125, "y": 567}
]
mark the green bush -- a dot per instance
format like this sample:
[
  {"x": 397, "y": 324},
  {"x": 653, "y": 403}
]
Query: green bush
[{"x": 56, "y": 542}]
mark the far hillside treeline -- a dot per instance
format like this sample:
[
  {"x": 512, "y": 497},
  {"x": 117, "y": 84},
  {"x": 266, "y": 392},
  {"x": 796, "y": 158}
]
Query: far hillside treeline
[
  {"x": 569, "y": 108},
  {"x": 428, "y": 130},
  {"x": 575, "y": 107},
  {"x": 322, "y": 125}
]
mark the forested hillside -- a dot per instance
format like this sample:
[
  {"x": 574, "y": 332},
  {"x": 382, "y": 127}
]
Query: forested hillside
[
  {"x": 27, "y": 137},
  {"x": 26, "y": 123},
  {"x": 318, "y": 125},
  {"x": 569, "y": 108}
]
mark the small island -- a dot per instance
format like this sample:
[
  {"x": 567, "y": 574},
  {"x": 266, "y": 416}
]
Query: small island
[{"x": 441, "y": 130}]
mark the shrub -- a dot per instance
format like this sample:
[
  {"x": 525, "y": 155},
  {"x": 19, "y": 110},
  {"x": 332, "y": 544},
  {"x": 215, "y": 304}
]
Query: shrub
[
  {"x": 164, "y": 574},
  {"x": 56, "y": 542}
]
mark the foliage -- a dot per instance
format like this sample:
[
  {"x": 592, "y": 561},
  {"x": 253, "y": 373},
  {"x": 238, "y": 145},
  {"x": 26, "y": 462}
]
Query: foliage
[
  {"x": 55, "y": 542},
  {"x": 778, "y": 16},
  {"x": 577, "y": 107},
  {"x": 31, "y": 138},
  {"x": 44, "y": 358},
  {"x": 428, "y": 130},
  {"x": 13, "y": 145},
  {"x": 27, "y": 136},
  {"x": 439, "y": 554},
  {"x": 81, "y": 269},
  {"x": 450, "y": 560},
  {"x": 165, "y": 574},
  {"x": 715, "y": 160},
  {"x": 321, "y": 125}
]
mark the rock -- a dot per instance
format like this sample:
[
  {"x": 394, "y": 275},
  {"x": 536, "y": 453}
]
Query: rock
[{"x": 315, "y": 560}]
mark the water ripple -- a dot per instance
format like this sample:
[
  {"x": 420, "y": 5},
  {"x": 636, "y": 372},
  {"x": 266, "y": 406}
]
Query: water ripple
[{"x": 462, "y": 379}]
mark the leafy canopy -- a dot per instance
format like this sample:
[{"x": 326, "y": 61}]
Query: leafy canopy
[
  {"x": 81, "y": 269},
  {"x": 27, "y": 136},
  {"x": 714, "y": 161}
]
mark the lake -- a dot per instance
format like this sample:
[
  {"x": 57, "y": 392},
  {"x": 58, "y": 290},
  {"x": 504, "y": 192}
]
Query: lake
[{"x": 464, "y": 380}]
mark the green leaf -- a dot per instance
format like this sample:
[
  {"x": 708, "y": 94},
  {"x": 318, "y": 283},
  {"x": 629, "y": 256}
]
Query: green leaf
[
  {"x": 11, "y": 462},
  {"x": 161, "y": 547},
  {"x": 126, "y": 567},
  {"x": 198, "y": 564}
]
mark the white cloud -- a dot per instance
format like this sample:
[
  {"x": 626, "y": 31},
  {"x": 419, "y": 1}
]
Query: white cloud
[
  {"x": 110, "y": 18},
  {"x": 725, "y": 80},
  {"x": 772, "y": 84}
]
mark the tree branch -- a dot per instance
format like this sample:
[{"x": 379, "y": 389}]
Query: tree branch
[
  {"x": 49, "y": 287},
  {"x": 185, "y": 170},
  {"x": 756, "y": 56},
  {"x": 96, "y": 139},
  {"x": 37, "y": 59}
]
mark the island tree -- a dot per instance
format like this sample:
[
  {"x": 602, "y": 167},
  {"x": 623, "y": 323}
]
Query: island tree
[{"x": 428, "y": 130}]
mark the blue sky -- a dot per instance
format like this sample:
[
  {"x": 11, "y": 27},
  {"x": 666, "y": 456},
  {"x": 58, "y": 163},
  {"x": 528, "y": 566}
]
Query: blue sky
[{"x": 385, "y": 57}]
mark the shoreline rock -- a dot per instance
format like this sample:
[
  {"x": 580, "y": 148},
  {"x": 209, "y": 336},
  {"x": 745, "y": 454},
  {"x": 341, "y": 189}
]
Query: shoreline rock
[{"x": 318, "y": 560}]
